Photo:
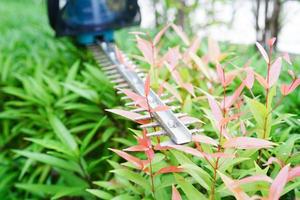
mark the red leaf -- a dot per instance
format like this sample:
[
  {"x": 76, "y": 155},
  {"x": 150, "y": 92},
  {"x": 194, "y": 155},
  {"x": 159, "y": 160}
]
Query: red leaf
[
  {"x": 175, "y": 194},
  {"x": 279, "y": 183},
  {"x": 134, "y": 160},
  {"x": 147, "y": 85},
  {"x": 189, "y": 87},
  {"x": 187, "y": 150},
  {"x": 286, "y": 57},
  {"x": 204, "y": 139},
  {"x": 159, "y": 108},
  {"x": 174, "y": 73},
  {"x": 287, "y": 89},
  {"x": 173, "y": 91},
  {"x": 214, "y": 52},
  {"x": 251, "y": 179},
  {"x": 262, "y": 80},
  {"x": 263, "y": 52},
  {"x": 147, "y": 49},
  {"x": 160, "y": 34},
  {"x": 136, "y": 148},
  {"x": 249, "y": 81},
  {"x": 138, "y": 99},
  {"x": 275, "y": 72},
  {"x": 247, "y": 143},
  {"x": 168, "y": 169},
  {"x": 181, "y": 34},
  {"x": 172, "y": 57},
  {"x": 271, "y": 41},
  {"x": 216, "y": 111},
  {"x": 191, "y": 50},
  {"x": 237, "y": 191},
  {"x": 276, "y": 160},
  {"x": 219, "y": 155},
  {"x": 124, "y": 113},
  {"x": 229, "y": 101},
  {"x": 293, "y": 173},
  {"x": 221, "y": 75}
]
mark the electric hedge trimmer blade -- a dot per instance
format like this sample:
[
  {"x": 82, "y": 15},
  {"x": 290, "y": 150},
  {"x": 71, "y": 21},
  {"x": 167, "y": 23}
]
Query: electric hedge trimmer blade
[{"x": 174, "y": 125}]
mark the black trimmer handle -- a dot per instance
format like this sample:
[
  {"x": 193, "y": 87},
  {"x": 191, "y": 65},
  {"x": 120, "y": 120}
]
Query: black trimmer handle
[{"x": 53, "y": 12}]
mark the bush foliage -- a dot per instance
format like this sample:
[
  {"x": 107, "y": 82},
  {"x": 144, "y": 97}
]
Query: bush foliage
[{"x": 57, "y": 141}]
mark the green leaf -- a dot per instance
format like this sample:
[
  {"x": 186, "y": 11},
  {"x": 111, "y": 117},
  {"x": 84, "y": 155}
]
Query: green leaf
[
  {"x": 50, "y": 160},
  {"x": 258, "y": 111},
  {"x": 134, "y": 177},
  {"x": 53, "y": 190},
  {"x": 100, "y": 193},
  {"x": 190, "y": 191},
  {"x": 63, "y": 133}
]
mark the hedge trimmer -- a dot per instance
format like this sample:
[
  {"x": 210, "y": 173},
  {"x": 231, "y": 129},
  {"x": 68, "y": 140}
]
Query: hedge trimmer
[{"x": 93, "y": 24}]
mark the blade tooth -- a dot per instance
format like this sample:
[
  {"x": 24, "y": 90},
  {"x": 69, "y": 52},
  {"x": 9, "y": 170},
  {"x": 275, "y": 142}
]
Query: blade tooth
[
  {"x": 144, "y": 110},
  {"x": 189, "y": 121},
  {"x": 125, "y": 98},
  {"x": 197, "y": 130},
  {"x": 157, "y": 133},
  {"x": 147, "y": 116},
  {"x": 130, "y": 104},
  {"x": 167, "y": 143},
  {"x": 121, "y": 86},
  {"x": 141, "y": 75},
  {"x": 150, "y": 125},
  {"x": 111, "y": 72},
  {"x": 118, "y": 81},
  {"x": 104, "y": 63},
  {"x": 166, "y": 101},
  {"x": 109, "y": 67},
  {"x": 115, "y": 76},
  {"x": 120, "y": 92}
]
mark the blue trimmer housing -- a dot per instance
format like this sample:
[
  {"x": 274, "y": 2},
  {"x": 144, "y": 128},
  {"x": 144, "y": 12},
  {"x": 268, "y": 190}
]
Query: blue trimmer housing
[{"x": 90, "y": 19}]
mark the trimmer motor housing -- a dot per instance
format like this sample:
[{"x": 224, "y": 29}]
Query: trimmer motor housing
[{"x": 88, "y": 19}]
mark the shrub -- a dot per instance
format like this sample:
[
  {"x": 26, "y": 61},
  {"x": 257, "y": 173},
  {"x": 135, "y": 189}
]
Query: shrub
[{"x": 244, "y": 150}]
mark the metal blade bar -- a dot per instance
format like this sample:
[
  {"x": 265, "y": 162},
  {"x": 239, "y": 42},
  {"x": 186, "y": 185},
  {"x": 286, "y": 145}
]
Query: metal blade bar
[{"x": 169, "y": 122}]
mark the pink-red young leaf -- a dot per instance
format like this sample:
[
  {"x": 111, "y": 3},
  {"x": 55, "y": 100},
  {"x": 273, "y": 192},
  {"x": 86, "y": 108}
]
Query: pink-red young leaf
[
  {"x": 160, "y": 34},
  {"x": 249, "y": 80},
  {"x": 189, "y": 87},
  {"x": 293, "y": 173},
  {"x": 172, "y": 57},
  {"x": 136, "y": 98},
  {"x": 230, "y": 100},
  {"x": 173, "y": 91},
  {"x": 216, "y": 111},
  {"x": 263, "y": 52},
  {"x": 262, "y": 80},
  {"x": 169, "y": 169},
  {"x": 243, "y": 128},
  {"x": 204, "y": 139},
  {"x": 292, "y": 74},
  {"x": 275, "y": 71},
  {"x": 251, "y": 179},
  {"x": 181, "y": 34},
  {"x": 147, "y": 49},
  {"x": 286, "y": 57},
  {"x": 124, "y": 113},
  {"x": 274, "y": 160},
  {"x": 287, "y": 89},
  {"x": 136, "y": 148},
  {"x": 271, "y": 41},
  {"x": 147, "y": 85},
  {"x": 191, "y": 50},
  {"x": 214, "y": 52},
  {"x": 279, "y": 183},
  {"x": 247, "y": 143},
  {"x": 187, "y": 150},
  {"x": 133, "y": 160},
  {"x": 221, "y": 75},
  {"x": 175, "y": 194},
  {"x": 237, "y": 191},
  {"x": 159, "y": 108}
]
